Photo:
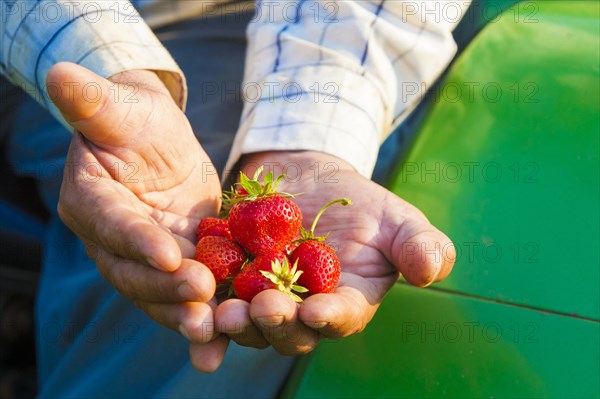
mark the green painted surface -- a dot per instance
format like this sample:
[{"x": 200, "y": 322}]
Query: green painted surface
[
  {"x": 483, "y": 12},
  {"x": 431, "y": 344},
  {"x": 507, "y": 161}
]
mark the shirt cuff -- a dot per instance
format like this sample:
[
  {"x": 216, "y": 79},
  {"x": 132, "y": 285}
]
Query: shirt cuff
[
  {"x": 106, "y": 40},
  {"x": 326, "y": 108}
]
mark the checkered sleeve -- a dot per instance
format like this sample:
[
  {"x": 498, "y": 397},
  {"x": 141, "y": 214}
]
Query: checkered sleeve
[
  {"x": 106, "y": 37},
  {"x": 337, "y": 76}
]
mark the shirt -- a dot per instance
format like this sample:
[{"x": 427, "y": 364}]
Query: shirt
[{"x": 330, "y": 76}]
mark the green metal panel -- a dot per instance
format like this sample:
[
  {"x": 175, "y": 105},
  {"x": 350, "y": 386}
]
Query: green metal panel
[
  {"x": 507, "y": 161},
  {"x": 432, "y": 344},
  {"x": 482, "y": 12}
]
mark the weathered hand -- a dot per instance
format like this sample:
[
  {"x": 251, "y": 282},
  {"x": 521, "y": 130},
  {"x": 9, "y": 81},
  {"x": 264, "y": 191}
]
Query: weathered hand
[
  {"x": 377, "y": 238},
  {"x": 136, "y": 184}
]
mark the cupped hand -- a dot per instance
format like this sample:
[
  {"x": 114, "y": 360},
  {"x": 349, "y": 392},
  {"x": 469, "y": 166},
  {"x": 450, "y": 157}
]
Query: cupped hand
[
  {"x": 376, "y": 239},
  {"x": 135, "y": 186}
]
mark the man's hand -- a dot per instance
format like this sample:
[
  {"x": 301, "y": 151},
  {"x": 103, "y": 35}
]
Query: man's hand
[
  {"x": 377, "y": 238},
  {"x": 136, "y": 184}
]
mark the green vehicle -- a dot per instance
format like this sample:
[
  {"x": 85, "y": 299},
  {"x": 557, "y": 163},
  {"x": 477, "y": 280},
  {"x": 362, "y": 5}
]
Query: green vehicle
[{"x": 505, "y": 159}]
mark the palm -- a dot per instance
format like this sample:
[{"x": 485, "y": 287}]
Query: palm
[
  {"x": 163, "y": 172},
  {"x": 162, "y": 192},
  {"x": 375, "y": 240},
  {"x": 352, "y": 230},
  {"x": 165, "y": 180}
]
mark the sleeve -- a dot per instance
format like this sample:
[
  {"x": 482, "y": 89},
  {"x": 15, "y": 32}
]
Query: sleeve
[
  {"x": 106, "y": 37},
  {"x": 337, "y": 76}
]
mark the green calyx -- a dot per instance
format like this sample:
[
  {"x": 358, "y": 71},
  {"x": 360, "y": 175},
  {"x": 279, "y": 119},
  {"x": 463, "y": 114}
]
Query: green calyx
[
  {"x": 254, "y": 189},
  {"x": 310, "y": 235},
  {"x": 285, "y": 278}
]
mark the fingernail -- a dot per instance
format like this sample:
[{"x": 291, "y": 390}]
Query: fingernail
[
  {"x": 184, "y": 332},
  {"x": 434, "y": 277},
  {"x": 186, "y": 291},
  {"x": 319, "y": 324},
  {"x": 153, "y": 263},
  {"x": 270, "y": 321}
]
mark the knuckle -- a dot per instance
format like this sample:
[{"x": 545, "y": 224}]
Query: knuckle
[{"x": 161, "y": 291}]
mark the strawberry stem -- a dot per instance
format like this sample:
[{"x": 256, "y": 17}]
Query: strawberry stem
[{"x": 341, "y": 201}]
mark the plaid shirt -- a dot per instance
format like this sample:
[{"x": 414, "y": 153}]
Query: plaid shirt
[{"x": 331, "y": 76}]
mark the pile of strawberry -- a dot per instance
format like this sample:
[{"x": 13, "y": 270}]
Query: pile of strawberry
[{"x": 252, "y": 249}]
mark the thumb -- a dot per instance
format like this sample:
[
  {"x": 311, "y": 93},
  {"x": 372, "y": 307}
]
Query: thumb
[
  {"x": 106, "y": 113},
  {"x": 421, "y": 253}
]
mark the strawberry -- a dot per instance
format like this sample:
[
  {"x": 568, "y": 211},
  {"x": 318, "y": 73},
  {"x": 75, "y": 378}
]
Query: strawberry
[
  {"x": 264, "y": 219},
  {"x": 242, "y": 191},
  {"x": 249, "y": 282},
  {"x": 222, "y": 256},
  {"x": 316, "y": 259},
  {"x": 213, "y": 227},
  {"x": 289, "y": 248},
  {"x": 270, "y": 270},
  {"x": 320, "y": 265},
  {"x": 264, "y": 261}
]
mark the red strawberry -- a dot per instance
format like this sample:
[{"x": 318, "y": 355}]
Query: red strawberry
[
  {"x": 223, "y": 257},
  {"x": 263, "y": 220},
  {"x": 249, "y": 283},
  {"x": 320, "y": 265},
  {"x": 213, "y": 227},
  {"x": 265, "y": 260},
  {"x": 267, "y": 271},
  {"x": 289, "y": 248},
  {"x": 242, "y": 191},
  {"x": 267, "y": 223}
]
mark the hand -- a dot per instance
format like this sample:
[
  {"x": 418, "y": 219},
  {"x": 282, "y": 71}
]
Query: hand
[
  {"x": 136, "y": 184},
  {"x": 379, "y": 237}
]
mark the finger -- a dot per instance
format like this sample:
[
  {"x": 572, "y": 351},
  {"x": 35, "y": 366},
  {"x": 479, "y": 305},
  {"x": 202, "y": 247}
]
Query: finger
[
  {"x": 276, "y": 316},
  {"x": 448, "y": 253},
  {"x": 187, "y": 248},
  {"x": 138, "y": 282},
  {"x": 99, "y": 210},
  {"x": 194, "y": 320},
  {"x": 420, "y": 252},
  {"x": 232, "y": 317},
  {"x": 348, "y": 310},
  {"x": 425, "y": 257},
  {"x": 95, "y": 106},
  {"x": 208, "y": 357}
]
